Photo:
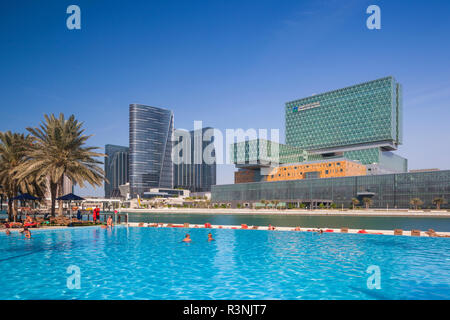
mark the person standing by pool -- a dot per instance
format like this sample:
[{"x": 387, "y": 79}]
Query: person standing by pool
[
  {"x": 187, "y": 238},
  {"x": 96, "y": 214},
  {"x": 210, "y": 238},
  {"x": 109, "y": 223}
]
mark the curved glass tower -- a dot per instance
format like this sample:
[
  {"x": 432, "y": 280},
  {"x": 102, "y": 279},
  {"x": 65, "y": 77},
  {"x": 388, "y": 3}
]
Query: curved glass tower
[
  {"x": 116, "y": 169},
  {"x": 151, "y": 134}
]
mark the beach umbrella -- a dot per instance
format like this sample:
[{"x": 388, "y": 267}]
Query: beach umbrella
[
  {"x": 25, "y": 197},
  {"x": 70, "y": 197}
]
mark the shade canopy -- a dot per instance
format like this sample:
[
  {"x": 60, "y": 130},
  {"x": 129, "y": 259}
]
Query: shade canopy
[
  {"x": 70, "y": 197},
  {"x": 24, "y": 197}
]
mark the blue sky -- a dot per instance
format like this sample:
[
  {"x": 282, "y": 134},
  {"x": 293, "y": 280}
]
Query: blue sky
[{"x": 231, "y": 64}]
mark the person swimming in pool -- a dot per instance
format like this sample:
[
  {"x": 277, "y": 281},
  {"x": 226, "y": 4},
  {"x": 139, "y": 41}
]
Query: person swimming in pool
[
  {"x": 210, "y": 237},
  {"x": 187, "y": 238},
  {"x": 26, "y": 232}
]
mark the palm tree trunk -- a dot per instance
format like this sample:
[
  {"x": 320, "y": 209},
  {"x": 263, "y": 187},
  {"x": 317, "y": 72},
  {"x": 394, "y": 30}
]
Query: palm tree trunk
[
  {"x": 61, "y": 191},
  {"x": 53, "y": 189},
  {"x": 10, "y": 209},
  {"x": 15, "y": 210}
]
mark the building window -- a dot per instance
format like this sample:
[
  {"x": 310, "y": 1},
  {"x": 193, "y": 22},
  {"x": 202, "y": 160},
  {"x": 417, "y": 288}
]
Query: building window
[{"x": 326, "y": 171}]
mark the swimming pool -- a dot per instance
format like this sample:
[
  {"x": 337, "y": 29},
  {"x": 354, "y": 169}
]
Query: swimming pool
[{"x": 152, "y": 263}]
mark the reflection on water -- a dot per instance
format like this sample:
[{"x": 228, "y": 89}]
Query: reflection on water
[{"x": 376, "y": 223}]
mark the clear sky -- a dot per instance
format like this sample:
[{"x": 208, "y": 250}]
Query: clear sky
[{"x": 231, "y": 64}]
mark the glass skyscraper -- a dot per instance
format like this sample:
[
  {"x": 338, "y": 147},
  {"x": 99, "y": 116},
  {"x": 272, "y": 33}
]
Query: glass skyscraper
[
  {"x": 151, "y": 135},
  {"x": 367, "y": 114},
  {"x": 195, "y": 174},
  {"x": 360, "y": 122},
  {"x": 116, "y": 169}
]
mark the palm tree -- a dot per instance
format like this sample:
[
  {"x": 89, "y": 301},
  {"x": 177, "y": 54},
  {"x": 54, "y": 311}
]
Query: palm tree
[
  {"x": 367, "y": 202},
  {"x": 59, "y": 151},
  {"x": 438, "y": 201},
  {"x": 416, "y": 202},
  {"x": 355, "y": 202},
  {"x": 276, "y": 202},
  {"x": 13, "y": 148},
  {"x": 264, "y": 202}
]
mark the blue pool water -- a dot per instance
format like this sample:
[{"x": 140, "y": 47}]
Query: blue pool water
[{"x": 152, "y": 263}]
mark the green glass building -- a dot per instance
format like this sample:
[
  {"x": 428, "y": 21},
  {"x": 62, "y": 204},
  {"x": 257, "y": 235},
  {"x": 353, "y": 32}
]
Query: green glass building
[
  {"x": 262, "y": 152},
  {"x": 360, "y": 122}
]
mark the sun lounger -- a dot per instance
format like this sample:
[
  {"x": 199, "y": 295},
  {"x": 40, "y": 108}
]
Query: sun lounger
[
  {"x": 415, "y": 233},
  {"x": 398, "y": 232},
  {"x": 186, "y": 225},
  {"x": 344, "y": 230}
]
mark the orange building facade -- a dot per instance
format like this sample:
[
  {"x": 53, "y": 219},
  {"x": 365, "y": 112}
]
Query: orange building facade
[
  {"x": 306, "y": 170},
  {"x": 328, "y": 169}
]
